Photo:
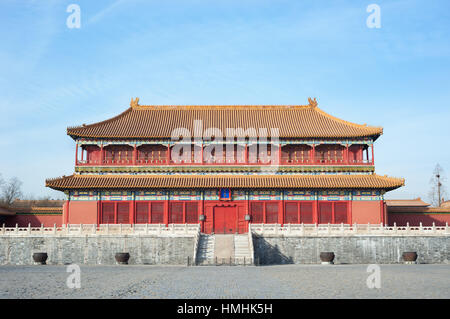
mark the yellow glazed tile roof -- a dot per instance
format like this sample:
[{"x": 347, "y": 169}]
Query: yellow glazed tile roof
[
  {"x": 156, "y": 121},
  {"x": 229, "y": 181}
]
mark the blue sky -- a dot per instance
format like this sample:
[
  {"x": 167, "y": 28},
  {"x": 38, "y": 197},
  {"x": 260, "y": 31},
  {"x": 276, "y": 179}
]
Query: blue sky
[{"x": 224, "y": 52}]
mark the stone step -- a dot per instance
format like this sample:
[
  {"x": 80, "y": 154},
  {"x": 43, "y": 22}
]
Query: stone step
[
  {"x": 242, "y": 249},
  {"x": 205, "y": 249}
]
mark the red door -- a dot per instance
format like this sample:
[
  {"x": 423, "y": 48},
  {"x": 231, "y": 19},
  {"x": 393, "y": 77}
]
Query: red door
[{"x": 225, "y": 219}]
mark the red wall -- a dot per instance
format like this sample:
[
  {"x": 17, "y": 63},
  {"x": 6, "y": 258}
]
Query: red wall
[
  {"x": 81, "y": 212},
  {"x": 364, "y": 212},
  {"x": 414, "y": 219},
  {"x": 35, "y": 220}
]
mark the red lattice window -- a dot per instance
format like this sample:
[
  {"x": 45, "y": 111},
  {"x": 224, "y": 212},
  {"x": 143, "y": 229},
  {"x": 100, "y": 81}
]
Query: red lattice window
[
  {"x": 291, "y": 213},
  {"x": 340, "y": 213},
  {"x": 191, "y": 213},
  {"x": 306, "y": 213},
  {"x": 142, "y": 213},
  {"x": 176, "y": 213},
  {"x": 123, "y": 213},
  {"x": 325, "y": 213},
  {"x": 271, "y": 213},
  {"x": 257, "y": 211},
  {"x": 157, "y": 216},
  {"x": 108, "y": 213}
]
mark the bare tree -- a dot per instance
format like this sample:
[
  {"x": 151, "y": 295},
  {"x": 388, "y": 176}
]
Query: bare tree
[
  {"x": 11, "y": 190},
  {"x": 438, "y": 189}
]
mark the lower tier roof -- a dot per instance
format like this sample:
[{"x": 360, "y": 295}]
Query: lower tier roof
[{"x": 371, "y": 181}]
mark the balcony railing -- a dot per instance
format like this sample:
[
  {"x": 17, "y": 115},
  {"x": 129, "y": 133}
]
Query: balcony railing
[{"x": 259, "y": 162}]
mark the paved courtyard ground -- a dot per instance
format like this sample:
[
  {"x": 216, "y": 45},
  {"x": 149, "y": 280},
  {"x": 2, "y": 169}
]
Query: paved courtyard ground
[{"x": 284, "y": 281}]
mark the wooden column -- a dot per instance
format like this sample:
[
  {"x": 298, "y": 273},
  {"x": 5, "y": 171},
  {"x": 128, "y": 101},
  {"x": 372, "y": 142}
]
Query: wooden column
[
  {"x": 246, "y": 154},
  {"x": 102, "y": 154},
  {"x": 350, "y": 206},
  {"x": 168, "y": 154},
  {"x": 382, "y": 211},
  {"x": 247, "y": 222},
  {"x": 134, "y": 154},
  {"x": 279, "y": 154},
  {"x": 202, "y": 205},
  {"x": 281, "y": 210},
  {"x": 313, "y": 154},
  {"x": 76, "y": 154},
  {"x": 373, "y": 158},
  {"x": 133, "y": 210},
  {"x": 201, "y": 145},
  {"x": 316, "y": 210},
  {"x": 100, "y": 206},
  {"x": 264, "y": 212},
  {"x": 346, "y": 154},
  {"x": 166, "y": 210},
  {"x": 333, "y": 218}
]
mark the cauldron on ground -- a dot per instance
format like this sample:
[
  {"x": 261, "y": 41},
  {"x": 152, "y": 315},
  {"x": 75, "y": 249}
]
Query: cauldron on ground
[
  {"x": 327, "y": 257},
  {"x": 410, "y": 257},
  {"x": 40, "y": 258},
  {"x": 122, "y": 258}
]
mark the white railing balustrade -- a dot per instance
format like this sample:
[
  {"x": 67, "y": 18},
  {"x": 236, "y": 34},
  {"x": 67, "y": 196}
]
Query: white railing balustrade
[
  {"x": 104, "y": 229},
  {"x": 250, "y": 245},
  {"x": 347, "y": 230},
  {"x": 259, "y": 229}
]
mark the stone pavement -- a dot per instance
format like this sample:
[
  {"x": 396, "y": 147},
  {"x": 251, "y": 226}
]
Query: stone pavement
[{"x": 283, "y": 281}]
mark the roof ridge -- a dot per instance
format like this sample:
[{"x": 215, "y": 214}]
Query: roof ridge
[
  {"x": 134, "y": 104},
  {"x": 224, "y": 106}
]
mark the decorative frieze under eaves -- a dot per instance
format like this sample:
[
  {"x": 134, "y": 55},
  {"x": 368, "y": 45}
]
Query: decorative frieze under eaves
[
  {"x": 84, "y": 141},
  {"x": 224, "y": 169}
]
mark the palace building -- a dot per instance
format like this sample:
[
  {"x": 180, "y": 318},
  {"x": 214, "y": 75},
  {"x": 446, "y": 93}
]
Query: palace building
[{"x": 224, "y": 167}]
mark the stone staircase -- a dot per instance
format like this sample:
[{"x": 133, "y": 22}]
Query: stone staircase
[
  {"x": 205, "y": 250},
  {"x": 224, "y": 250},
  {"x": 242, "y": 251}
]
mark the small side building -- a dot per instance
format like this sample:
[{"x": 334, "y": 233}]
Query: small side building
[
  {"x": 33, "y": 212},
  {"x": 416, "y": 211}
]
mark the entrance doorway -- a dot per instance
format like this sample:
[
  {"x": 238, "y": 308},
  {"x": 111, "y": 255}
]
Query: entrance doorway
[{"x": 225, "y": 219}]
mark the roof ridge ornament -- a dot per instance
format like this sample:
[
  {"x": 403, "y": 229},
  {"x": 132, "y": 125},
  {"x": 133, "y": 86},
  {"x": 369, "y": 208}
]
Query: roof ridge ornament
[
  {"x": 134, "y": 102},
  {"x": 312, "y": 102}
]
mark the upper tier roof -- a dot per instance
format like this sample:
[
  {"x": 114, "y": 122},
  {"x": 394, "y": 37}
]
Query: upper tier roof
[
  {"x": 156, "y": 121},
  {"x": 231, "y": 181}
]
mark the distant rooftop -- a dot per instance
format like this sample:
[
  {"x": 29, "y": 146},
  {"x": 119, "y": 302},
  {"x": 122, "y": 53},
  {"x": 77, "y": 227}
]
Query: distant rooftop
[{"x": 418, "y": 202}]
